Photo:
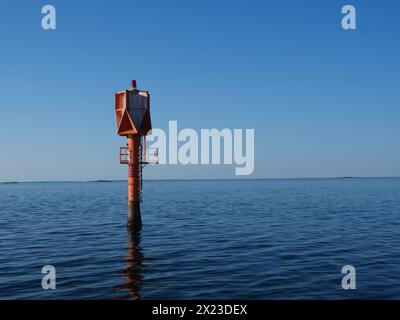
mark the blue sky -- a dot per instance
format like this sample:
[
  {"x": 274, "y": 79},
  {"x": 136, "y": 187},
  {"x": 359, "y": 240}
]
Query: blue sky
[{"x": 324, "y": 102}]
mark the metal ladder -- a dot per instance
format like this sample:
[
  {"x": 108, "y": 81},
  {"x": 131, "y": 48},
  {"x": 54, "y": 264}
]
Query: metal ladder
[
  {"x": 143, "y": 161},
  {"x": 141, "y": 166}
]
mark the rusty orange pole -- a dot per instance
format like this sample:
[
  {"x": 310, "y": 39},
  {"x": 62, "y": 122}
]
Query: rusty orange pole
[{"x": 134, "y": 215}]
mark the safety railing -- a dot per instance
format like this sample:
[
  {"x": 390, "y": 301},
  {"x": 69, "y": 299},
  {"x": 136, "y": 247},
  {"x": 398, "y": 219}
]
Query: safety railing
[{"x": 124, "y": 155}]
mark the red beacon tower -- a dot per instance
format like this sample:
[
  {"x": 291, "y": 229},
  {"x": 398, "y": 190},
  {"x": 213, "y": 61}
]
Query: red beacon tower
[{"x": 132, "y": 110}]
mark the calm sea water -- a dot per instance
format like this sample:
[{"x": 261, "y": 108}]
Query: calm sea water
[{"x": 254, "y": 239}]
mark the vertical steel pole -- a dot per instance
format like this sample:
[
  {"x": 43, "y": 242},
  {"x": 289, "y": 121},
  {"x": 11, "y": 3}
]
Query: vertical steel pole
[{"x": 134, "y": 216}]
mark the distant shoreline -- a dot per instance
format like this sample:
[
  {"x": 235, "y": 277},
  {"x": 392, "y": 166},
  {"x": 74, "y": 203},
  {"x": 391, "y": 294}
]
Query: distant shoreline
[{"x": 232, "y": 179}]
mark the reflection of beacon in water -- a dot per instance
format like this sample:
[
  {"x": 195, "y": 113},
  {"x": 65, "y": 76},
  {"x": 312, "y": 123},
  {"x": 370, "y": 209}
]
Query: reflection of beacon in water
[
  {"x": 132, "y": 272},
  {"x": 132, "y": 110}
]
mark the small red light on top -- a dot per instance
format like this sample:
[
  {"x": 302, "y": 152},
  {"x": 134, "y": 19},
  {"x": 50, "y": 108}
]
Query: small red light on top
[{"x": 133, "y": 84}]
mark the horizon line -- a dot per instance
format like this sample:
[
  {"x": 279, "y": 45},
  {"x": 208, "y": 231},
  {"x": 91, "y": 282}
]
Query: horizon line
[{"x": 202, "y": 179}]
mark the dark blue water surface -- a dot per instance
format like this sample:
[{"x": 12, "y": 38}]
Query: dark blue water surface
[{"x": 253, "y": 239}]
